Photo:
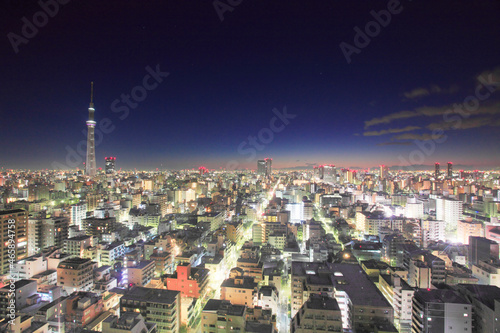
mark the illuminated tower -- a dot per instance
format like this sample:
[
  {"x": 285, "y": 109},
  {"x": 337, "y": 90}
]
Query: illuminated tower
[
  {"x": 90, "y": 168},
  {"x": 436, "y": 170},
  {"x": 450, "y": 170}
]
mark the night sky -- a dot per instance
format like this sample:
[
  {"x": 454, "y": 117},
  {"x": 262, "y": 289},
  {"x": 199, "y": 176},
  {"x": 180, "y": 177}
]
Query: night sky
[{"x": 226, "y": 77}]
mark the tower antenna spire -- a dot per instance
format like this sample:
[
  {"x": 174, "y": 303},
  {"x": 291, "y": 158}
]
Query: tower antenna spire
[{"x": 92, "y": 94}]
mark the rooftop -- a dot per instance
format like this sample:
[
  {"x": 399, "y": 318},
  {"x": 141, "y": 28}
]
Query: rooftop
[
  {"x": 151, "y": 295},
  {"x": 483, "y": 293},
  {"x": 346, "y": 277},
  {"x": 440, "y": 296},
  {"x": 320, "y": 302},
  {"x": 217, "y": 305}
]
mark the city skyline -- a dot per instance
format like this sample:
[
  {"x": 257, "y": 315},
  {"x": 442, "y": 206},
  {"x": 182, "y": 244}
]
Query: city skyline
[{"x": 200, "y": 88}]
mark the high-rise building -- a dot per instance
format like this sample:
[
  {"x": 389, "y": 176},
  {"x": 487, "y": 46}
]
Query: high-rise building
[
  {"x": 450, "y": 170},
  {"x": 269, "y": 169},
  {"x": 110, "y": 165},
  {"x": 450, "y": 211},
  {"x": 90, "y": 165},
  {"x": 436, "y": 170},
  {"x": 78, "y": 212},
  {"x": 46, "y": 232},
  {"x": 261, "y": 167},
  {"x": 440, "y": 310},
  {"x": 328, "y": 173},
  {"x": 384, "y": 170},
  {"x": 13, "y": 236}
]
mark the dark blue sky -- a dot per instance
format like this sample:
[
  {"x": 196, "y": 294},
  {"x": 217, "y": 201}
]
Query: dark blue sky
[{"x": 226, "y": 77}]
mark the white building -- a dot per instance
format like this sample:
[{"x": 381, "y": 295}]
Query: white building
[
  {"x": 450, "y": 211},
  {"x": 432, "y": 231},
  {"x": 78, "y": 213},
  {"x": 487, "y": 273},
  {"x": 296, "y": 211},
  {"x": 414, "y": 209},
  {"x": 31, "y": 266}
]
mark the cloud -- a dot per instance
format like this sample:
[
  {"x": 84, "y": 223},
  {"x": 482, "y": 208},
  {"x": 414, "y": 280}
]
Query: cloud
[
  {"x": 461, "y": 124},
  {"x": 395, "y": 143},
  {"x": 391, "y": 131},
  {"x": 389, "y": 118},
  {"x": 490, "y": 77},
  {"x": 432, "y": 89},
  {"x": 417, "y": 92},
  {"x": 432, "y": 111},
  {"x": 421, "y": 137}
]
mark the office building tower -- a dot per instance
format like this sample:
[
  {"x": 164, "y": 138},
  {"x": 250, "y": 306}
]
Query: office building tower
[
  {"x": 450, "y": 170},
  {"x": 269, "y": 169},
  {"x": 261, "y": 167},
  {"x": 436, "y": 170},
  {"x": 384, "y": 170},
  {"x": 328, "y": 173},
  {"x": 110, "y": 165},
  {"x": 90, "y": 165},
  {"x": 440, "y": 310},
  {"x": 450, "y": 211},
  {"x": 14, "y": 237}
]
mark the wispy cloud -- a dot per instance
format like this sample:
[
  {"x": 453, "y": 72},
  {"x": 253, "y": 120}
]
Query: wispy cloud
[
  {"x": 391, "y": 131},
  {"x": 421, "y": 137},
  {"x": 432, "y": 89},
  {"x": 389, "y": 118},
  {"x": 465, "y": 124},
  {"x": 395, "y": 143},
  {"x": 432, "y": 111}
]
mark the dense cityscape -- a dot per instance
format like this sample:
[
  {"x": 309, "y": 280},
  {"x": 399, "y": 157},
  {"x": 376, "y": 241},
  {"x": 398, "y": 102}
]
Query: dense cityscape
[
  {"x": 328, "y": 249},
  {"x": 237, "y": 166}
]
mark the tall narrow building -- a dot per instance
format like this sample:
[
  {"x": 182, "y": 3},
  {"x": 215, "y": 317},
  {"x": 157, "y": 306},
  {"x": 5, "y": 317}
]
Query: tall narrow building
[
  {"x": 436, "y": 170},
  {"x": 450, "y": 170},
  {"x": 269, "y": 169},
  {"x": 261, "y": 167},
  {"x": 90, "y": 166}
]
